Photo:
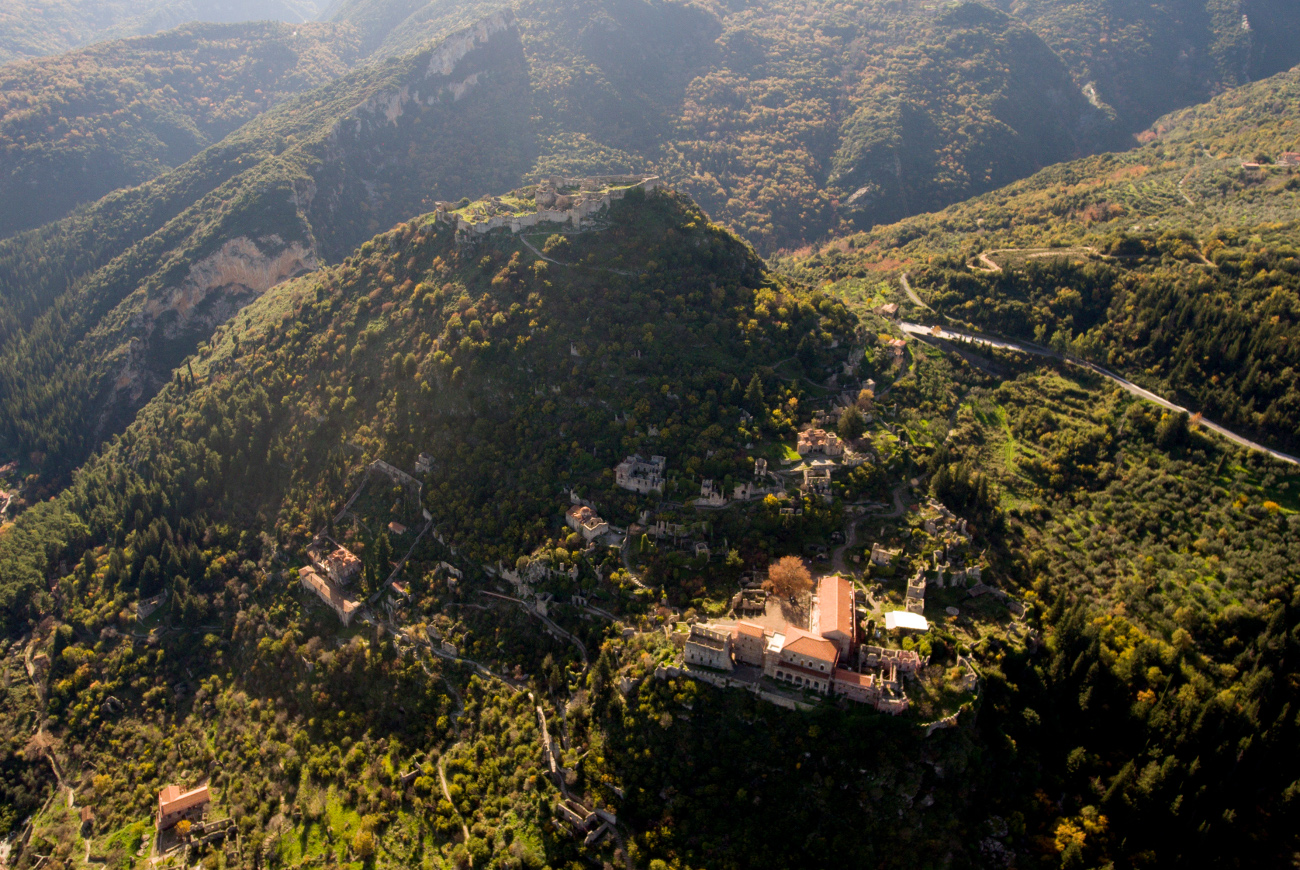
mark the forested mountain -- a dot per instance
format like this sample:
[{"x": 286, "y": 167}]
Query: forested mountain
[
  {"x": 1145, "y": 59},
  {"x": 83, "y": 124},
  {"x": 1147, "y": 686},
  {"x": 393, "y": 27},
  {"x": 1174, "y": 263},
  {"x": 791, "y": 122},
  {"x": 99, "y": 306},
  {"x": 34, "y": 28},
  {"x": 969, "y": 105}
]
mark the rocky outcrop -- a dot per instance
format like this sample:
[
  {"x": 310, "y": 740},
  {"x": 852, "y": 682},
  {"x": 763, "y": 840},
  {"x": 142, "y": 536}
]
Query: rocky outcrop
[
  {"x": 443, "y": 63},
  {"x": 456, "y": 123},
  {"x": 171, "y": 321},
  {"x": 240, "y": 266}
]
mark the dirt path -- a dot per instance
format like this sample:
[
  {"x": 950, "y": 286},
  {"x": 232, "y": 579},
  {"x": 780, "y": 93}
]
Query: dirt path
[
  {"x": 626, "y": 556},
  {"x": 911, "y": 294},
  {"x": 837, "y": 557},
  {"x": 1124, "y": 383},
  {"x": 446, "y": 792}
]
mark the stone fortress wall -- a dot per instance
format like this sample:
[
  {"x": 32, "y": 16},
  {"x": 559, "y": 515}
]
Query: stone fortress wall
[{"x": 597, "y": 193}]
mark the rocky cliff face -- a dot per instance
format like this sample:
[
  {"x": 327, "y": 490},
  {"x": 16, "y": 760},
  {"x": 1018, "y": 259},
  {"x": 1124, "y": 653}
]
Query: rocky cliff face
[
  {"x": 458, "y": 125},
  {"x": 241, "y": 266},
  {"x": 389, "y": 158},
  {"x": 168, "y": 324}
]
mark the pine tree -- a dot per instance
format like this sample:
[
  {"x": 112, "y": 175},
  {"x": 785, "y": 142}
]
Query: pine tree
[
  {"x": 383, "y": 557},
  {"x": 754, "y": 399}
]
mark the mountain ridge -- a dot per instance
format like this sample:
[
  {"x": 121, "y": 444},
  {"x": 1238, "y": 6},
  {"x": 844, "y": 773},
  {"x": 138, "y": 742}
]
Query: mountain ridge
[
  {"x": 144, "y": 105},
  {"x": 277, "y": 182}
]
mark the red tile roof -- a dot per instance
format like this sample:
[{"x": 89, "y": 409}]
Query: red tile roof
[
  {"x": 173, "y": 800},
  {"x": 853, "y": 679},
  {"x": 835, "y": 601},
  {"x": 810, "y": 645},
  {"x": 749, "y": 629}
]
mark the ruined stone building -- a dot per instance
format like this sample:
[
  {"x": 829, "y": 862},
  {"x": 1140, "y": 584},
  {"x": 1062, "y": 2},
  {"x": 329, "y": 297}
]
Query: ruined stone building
[
  {"x": 881, "y": 557},
  {"x": 916, "y": 592},
  {"x": 639, "y": 475},
  {"x": 709, "y": 646},
  {"x": 710, "y": 495},
  {"x": 817, "y": 483}
]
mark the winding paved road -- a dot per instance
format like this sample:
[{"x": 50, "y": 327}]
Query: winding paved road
[{"x": 972, "y": 338}]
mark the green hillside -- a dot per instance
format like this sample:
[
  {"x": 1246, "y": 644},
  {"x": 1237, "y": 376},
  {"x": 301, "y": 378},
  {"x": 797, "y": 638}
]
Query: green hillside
[
  {"x": 1172, "y": 263},
  {"x": 83, "y": 124},
  {"x": 101, "y": 305},
  {"x": 36, "y": 28},
  {"x": 509, "y": 371},
  {"x": 784, "y": 124},
  {"x": 1146, "y": 685}
]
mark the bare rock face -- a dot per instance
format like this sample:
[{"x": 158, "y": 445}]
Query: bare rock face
[
  {"x": 545, "y": 197},
  {"x": 166, "y": 326},
  {"x": 240, "y": 267}
]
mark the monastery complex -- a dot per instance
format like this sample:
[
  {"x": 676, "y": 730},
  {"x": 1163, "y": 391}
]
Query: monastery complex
[{"x": 828, "y": 658}]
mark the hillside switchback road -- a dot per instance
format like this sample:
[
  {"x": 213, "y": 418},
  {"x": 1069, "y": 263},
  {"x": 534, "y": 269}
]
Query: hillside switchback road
[{"x": 918, "y": 329}]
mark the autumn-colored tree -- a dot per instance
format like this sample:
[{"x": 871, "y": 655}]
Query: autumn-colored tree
[
  {"x": 788, "y": 576},
  {"x": 363, "y": 843},
  {"x": 182, "y": 828}
]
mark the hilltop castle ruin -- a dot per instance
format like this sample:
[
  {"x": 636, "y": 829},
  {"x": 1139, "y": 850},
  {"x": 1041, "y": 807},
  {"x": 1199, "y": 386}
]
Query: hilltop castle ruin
[{"x": 557, "y": 200}]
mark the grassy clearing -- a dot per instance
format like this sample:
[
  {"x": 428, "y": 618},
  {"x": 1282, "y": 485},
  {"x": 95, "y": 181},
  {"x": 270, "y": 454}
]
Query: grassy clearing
[
  {"x": 120, "y": 847},
  {"x": 328, "y": 835}
]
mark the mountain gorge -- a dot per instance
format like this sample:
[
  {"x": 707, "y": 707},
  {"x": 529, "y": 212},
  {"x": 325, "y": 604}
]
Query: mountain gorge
[
  {"x": 783, "y": 125},
  {"x": 301, "y": 184},
  {"x": 1174, "y": 262},
  {"x": 1145, "y": 59},
  {"x": 789, "y": 124}
]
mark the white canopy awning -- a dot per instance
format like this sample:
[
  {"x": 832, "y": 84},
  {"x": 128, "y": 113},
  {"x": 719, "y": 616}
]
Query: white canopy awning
[{"x": 903, "y": 619}]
